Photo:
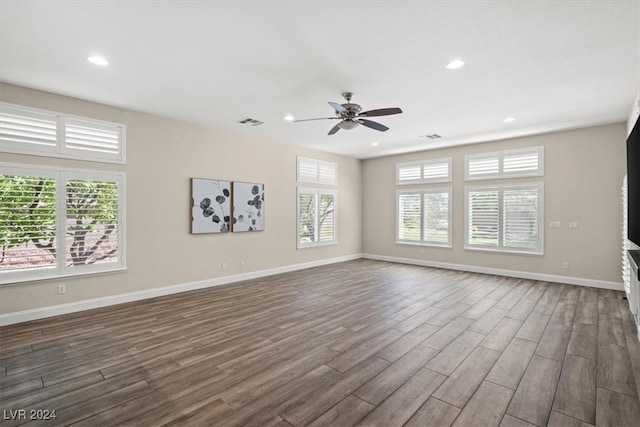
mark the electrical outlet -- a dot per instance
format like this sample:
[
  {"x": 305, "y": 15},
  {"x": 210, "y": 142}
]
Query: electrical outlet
[
  {"x": 62, "y": 289},
  {"x": 223, "y": 266},
  {"x": 241, "y": 263},
  {"x": 565, "y": 265}
]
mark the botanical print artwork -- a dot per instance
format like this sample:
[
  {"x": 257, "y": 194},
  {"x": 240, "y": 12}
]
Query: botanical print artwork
[
  {"x": 210, "y": 206},
  {"x": 248, "y": 206}
]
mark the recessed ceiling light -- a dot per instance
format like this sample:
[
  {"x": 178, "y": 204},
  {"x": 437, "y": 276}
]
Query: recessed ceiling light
[
  {"x": 375, "y": 144},
  {"x": 289, "y": 118},
  {"x": 98, "y": 60},
  {"x": 509, "y": 119},
  {"x": 455, "y": 64}
]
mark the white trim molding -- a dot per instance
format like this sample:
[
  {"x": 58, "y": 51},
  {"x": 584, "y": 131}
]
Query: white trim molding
[
  {"x": 73, "y": 307},
  {"x": 579, "y": 281}
]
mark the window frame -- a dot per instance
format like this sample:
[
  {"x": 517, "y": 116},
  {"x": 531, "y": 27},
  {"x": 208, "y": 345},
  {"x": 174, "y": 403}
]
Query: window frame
[
  {"x": 317, "y": 192},
  {"x": 319, "y": 166},
  {"x": 422, "y": 164},
  {"x": 501, "y": 247},
  {"x": 422, "y": 192},
  {"x": 61, "y": 176},
  {"x": 62, "y": 148},
  {"x": 500, "y": 156}
]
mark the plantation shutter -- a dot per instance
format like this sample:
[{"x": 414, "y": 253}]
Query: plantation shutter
[
  {"x": 25, "y": 130},
  {"x": 91, "y": 137},
  {"x": 409, "y": 216},
  {"x": 27, "y": 222},
  {"x": 424, "y": 172},
  {"x": 326, "y": 225},
  {"x": 521, "y": 218},
  {"x": 317, "y": 171},
  {"x": 306, "y": 217},
  {"x": 46, "y": 133},
  {"x": 522, "y": 162},
  {"x": 483, "y": 212},
  {"x": 505, "y": 164},
  {"x": 437, "y": 171},
  {"x": 92, "y": 212},
  {"x": 408, "y": 173},
  {"x": 436, "y": 217},
  {"x": 483, "y": 166}
]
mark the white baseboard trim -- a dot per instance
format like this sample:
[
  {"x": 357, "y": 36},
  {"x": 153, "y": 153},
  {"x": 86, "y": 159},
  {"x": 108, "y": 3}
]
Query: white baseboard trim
[
  {"x": 73, "y": 307},
  {"x": 500, "y": 272}
]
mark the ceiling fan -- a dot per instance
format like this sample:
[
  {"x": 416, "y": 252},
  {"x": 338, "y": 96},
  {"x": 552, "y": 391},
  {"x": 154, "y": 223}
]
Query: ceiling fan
[{"x": 350, "y": 115}]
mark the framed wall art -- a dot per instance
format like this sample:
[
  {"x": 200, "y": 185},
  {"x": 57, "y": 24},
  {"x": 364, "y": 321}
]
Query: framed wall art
[
  {"x": 248, "y": 207},
  {"x": 210, "y": 206}
]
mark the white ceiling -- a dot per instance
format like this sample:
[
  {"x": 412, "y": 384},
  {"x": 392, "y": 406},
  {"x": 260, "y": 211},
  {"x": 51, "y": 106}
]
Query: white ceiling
[{"x": 552, "y": 65}]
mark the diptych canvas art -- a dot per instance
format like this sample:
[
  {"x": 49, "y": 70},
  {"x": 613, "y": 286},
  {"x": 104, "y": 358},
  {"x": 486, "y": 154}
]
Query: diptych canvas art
[{"x": 219, "y": 206}]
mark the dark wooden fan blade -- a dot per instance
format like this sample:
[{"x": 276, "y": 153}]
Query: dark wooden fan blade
[
  {"x": 373, "y": 125},
  {"x": 319, "y": 118},
  {"x": 381, "y": 112},
  {"x": 334, "y": 129},
  {"x": 339, "y": 108}
]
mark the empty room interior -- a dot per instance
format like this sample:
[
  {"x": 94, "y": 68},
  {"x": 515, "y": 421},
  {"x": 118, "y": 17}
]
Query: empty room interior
[{"x": 323, "y": 213}]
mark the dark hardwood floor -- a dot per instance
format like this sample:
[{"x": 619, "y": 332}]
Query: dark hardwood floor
[{"x": 358, "y": 343}]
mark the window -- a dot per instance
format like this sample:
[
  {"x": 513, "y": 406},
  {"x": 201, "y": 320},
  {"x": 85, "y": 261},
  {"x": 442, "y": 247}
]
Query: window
[
  {"x": 505, "y": 218},
  {"x": 317, "y": 171},
  {"x": 424, "y": 172},
  {"x": 45, "y": 133},
  {"x": 424, "y": 216},
  {"x": 505, "y": 164},
  {"x": 58, "y": 222},
  {"x": 316, "y": 217}
]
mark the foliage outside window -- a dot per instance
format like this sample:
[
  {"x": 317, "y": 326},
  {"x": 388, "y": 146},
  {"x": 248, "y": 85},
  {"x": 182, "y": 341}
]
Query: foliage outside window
[
  {"x": 59, "y": 222},
  {"x": 505, "y": 218},
  {"x": 316, "y": 217},
  {"x": 424, "y": 216}
]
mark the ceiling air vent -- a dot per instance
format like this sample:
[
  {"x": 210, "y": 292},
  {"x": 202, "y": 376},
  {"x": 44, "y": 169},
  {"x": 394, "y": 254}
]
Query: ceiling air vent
[
  {"x": 432, "y": 136},
  {"x": 250, "y": 121}
]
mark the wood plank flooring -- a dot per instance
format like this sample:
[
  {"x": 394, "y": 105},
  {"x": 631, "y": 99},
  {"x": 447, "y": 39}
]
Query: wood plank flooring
[{"x": 362, "y": 343}]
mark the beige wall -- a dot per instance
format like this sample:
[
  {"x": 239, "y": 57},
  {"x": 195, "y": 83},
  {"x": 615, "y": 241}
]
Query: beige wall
[
  {"x": 162, "y": 156},
  {"x": 583, "y": 176}
]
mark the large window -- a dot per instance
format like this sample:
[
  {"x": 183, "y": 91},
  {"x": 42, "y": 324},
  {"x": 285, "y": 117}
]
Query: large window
[
  {"x": 316, "y": 217},
  {"x": 505, "y": 218},
  {"x": 316, "y": 207},
  {"x": 423, "y": 213},
  {"x": 59, "y": 222},
  {"x": 424, "y": 216}
]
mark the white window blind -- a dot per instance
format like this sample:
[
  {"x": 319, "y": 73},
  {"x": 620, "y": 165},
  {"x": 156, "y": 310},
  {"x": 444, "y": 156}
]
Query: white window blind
[
  {"x": 424, "y": 172},
  {"x": 45, "y": 133},
  {"x": 409, "y": 217},
  {"x": 505, "y": 164},
  {"x": 316, "y": 217},
  {"x": 58, "y": 222},
  {"x": 505, "y": 218},
  {"x": 317, "y": 171},
  {"x": 424, "y": 216}
]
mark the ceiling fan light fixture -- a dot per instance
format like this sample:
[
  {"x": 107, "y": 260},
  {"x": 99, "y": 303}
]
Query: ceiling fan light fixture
[
  {"x": 509, "y": 119},
  {"x": 455, "y": 64},
  {"x": 289, "y": 118},
  {"x": 348, "y": 124}
]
